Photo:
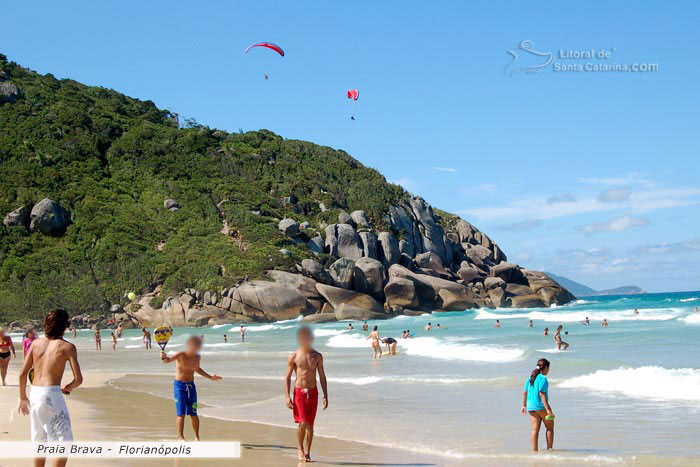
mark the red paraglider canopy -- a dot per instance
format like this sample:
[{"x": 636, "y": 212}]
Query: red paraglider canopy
[
  {"x": 269, "y": 45},
  {"x": 353, "y": 94}
]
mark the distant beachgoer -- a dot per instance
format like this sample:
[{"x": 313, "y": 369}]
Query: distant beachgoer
[
  {"x": 365, "y": 326},
  {"x": 440, "y": 326},
  {"x": 497, "y": 324},
  {"x": 376, "y": 347},
  {"x": 428, "y": 327},
  {"x": 242, "y": 332},
  {"x": 530, "y": 324},
  {"x": 304, "y": 363},
  {"x": 119, "y": 331},
  {"x": 98, "y": 339},
  {"x": 586, "y": 322},
  {"x": 186, "y": 364},
  {"x": 557, "y": 339},
  {"x": 536, "y": 404},
  {"x": 225, "y": 339},
  {"x": 390, "y": 343},
  {"x": 146, "y": 338},
  {"x": 114, "y": 342},
  {"x": 350, "y": 328},
  {"x": 546, "y": 331},
  {"x": 48, "y": 414},
  {"x": 604, "y": 323},
  {"x": 7, "y": 349},
  {"x": 408, "y": 333},
  {"x": 636, "y": 311},
  {"x": 29, "y": 337},
  {"x": 696, "y": 310},
  {"x": 74, "y": 334}
]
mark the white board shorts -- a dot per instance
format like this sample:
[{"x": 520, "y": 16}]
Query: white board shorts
[{"x": 48, "y": 415}]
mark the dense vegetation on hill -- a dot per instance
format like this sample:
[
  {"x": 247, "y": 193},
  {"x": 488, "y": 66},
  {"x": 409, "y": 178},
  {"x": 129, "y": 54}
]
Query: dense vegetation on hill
[{"x": 112, "y": 161}]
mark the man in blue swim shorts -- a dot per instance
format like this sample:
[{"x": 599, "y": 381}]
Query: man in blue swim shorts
[{"x": 186, "y": 365}]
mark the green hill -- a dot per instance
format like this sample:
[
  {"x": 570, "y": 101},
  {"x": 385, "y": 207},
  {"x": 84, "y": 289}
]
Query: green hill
[{"x": 112, "y": 161}]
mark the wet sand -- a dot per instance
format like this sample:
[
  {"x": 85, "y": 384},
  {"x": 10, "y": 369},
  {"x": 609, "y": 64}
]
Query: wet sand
[{"x": 100, "y": 412}]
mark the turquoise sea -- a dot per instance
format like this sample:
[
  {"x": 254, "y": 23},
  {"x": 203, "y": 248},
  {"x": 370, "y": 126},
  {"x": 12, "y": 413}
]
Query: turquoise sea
[{"x": 626, "y": 394}]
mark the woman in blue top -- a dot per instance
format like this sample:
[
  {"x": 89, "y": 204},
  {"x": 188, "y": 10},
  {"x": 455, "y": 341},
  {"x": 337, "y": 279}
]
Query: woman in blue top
[{"x": 536, "y": 403}]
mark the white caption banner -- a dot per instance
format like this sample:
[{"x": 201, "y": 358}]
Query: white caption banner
[{"x": 130, "y": 449}]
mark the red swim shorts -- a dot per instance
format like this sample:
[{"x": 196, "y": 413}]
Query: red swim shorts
[{"x": 305, "y": 405}]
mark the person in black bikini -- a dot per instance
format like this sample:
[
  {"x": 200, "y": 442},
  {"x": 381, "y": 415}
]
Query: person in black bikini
[{"x": 7, "y": 348}]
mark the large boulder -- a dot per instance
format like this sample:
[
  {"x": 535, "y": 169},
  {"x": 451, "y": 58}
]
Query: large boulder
[
  {"x": 343, "y": 241},
  {"x": 360, "y": 218},
  {"x": 344, "y": 218},
  {"x": 319, "y": 318},
  {"x": 432, "y": 233},
  {"x": 316, "y": 270},
  {"x": 469, "y": 274},
  {"x": 432, "y": 261},
  {"x": 548, "y": 289},
  {"x": 347, "y": 311},
  {"x": 171, "y": 205},
  {"x": 369, "y": 277},
  {"x": 524, "y": 301},
  {"x": 509, "y": 272},
  {"x": 369, "y": 244},
  {"x": 401, "y": 292},
  {"x": 517, "y": 289},
  {"x": 303, "y": 284},
  {"x": 17, "y": 218},
  {"x": 289, "y": 227},
  {"x": 49, "y": 217},
  {"x": 342, "y": 272},
  {"x": 388, "y": 249},
  {"x": 316, "y": 244},
  {"x": 481, "y": 252},
  {"x": 337, "y": 297},
  {"x": 269, "y": 301},
  {"x": 447, "y": 295}
]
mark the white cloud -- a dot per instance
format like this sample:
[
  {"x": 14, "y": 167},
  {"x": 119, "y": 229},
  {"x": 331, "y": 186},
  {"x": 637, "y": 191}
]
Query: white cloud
[
  {"x": 445, "y": 169},
  {"x": 614, "y": 195},
  {"x": 520, "y": 226},
  {"x": 634, "y": 179},
  {"x": 565, "y": 198},
  {"x": 618, "y": 224}
]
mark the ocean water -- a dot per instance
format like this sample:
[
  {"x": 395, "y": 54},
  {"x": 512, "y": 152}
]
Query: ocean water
[{"x": 626, "y": 394}]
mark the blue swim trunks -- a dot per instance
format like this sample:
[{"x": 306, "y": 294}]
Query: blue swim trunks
[{"x": 185, "y": 398}]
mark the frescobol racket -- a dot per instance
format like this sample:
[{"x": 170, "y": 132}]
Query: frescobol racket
[{"x": 162, "y": 335}]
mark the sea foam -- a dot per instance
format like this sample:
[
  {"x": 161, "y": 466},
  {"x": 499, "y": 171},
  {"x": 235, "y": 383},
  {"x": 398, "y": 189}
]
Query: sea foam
[
  {"x": 647, "y": 314},
  {"x": 647, "y": 382}
]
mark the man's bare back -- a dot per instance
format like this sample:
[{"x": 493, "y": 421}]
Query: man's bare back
[{"x": 49, "y": 358}]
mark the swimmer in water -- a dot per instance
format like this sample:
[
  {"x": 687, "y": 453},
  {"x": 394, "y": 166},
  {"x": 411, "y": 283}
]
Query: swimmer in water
[
  {"x": 350, "y": 328},
  {"x": 546, "y": 331},
  {"x": 586, "y": 322},
  {"x": 428, "y": 327},
  {"x": 365, "y": 326},
  {"x": 636, "y": 311},
  {"x": 529, "y": 324},
  {"x": 497, "y": 324},
  {"x": 604, "y": 323},
  {"x": 557, "y": 339}
]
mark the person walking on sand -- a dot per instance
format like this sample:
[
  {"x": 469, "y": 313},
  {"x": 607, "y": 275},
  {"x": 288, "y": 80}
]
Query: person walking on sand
[
  {"x": 48, "y": 414},
  {"x": 29, "y": 337},
  {"x": 7, "y": 349},
  {"x": 557, "y": 338},
  {"x": 536, "y": 404},
  {"x": 114, "y": 342},
  {"x": 187, "y": 363},
  {"x": 74, "y": 333},
  {"x": 376, "y": 346},
  {"x": 98, "y": 339},
  {"x": 305, "y": 363},
  {"x": 146, "y": 338}
]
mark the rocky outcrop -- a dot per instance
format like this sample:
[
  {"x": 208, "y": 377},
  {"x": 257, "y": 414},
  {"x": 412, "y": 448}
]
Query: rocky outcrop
[
  {"x": 368, "y": 241},
  {"x": 9, "y": 92},
  {"x": 315, "y": 270},
  {"x": 510, "y": 273},
  {"x": 17, "y": 218},
  {"x": 268, "y": 301},
  {"x": 343, "y": 241},
  {"x": 289, "y": 227},
  {"x": 437, "y": 293},
  {"x": 388, "y": 249},
  {"x": 359, "y": 218},
  {"x": 337, "y": 297},
  {"x": 401, "y": 292},
  {"x": 49, "y": 217}
]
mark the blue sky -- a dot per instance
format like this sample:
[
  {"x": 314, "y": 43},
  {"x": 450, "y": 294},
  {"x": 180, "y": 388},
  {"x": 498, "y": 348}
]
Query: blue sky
[{"x": 591, "y": 175}]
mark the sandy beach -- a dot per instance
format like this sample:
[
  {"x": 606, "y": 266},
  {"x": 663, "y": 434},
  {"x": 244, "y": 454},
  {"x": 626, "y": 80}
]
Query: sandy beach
[{"x": 100, "y": 412}]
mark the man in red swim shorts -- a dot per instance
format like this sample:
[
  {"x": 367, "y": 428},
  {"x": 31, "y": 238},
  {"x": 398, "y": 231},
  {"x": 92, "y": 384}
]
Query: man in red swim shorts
[{"x": 304, "y": 362}]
